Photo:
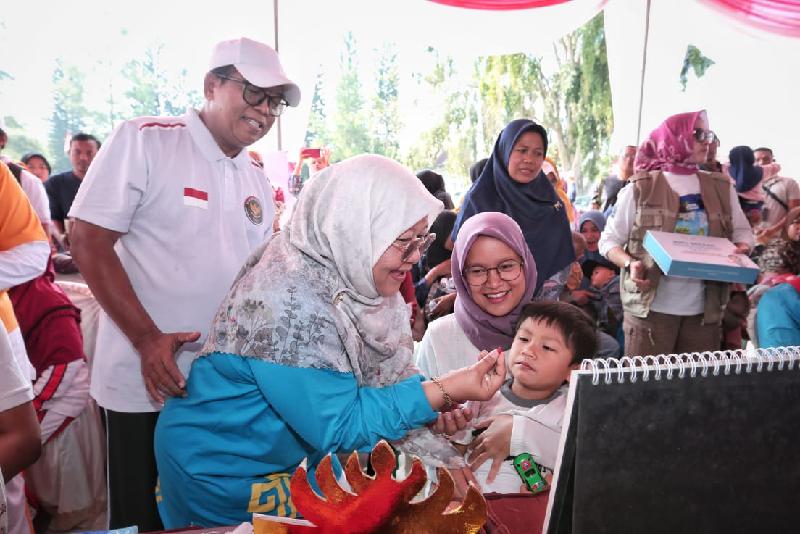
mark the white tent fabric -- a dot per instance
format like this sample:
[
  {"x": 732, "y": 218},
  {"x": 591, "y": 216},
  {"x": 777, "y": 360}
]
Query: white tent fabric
[{"x": 749, "y": 92}]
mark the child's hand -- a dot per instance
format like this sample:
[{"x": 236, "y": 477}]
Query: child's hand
[
  {"x": 492, "y": 444},
  {"x": 448, "y": 423},
  {"x": 462, "y": 477}
]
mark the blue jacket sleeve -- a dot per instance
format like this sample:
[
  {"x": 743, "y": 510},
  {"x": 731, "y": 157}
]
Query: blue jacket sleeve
[
  {"x": 778, "y": 317},
  {"x": 329, "y": 411}
]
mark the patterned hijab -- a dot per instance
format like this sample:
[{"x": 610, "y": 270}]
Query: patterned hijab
[
  {"x": 669, "y": 147},
  {"x": 309, "y": 298},
  {"x": 792, "y": 216},
  {"x": 484, "y": 330}
]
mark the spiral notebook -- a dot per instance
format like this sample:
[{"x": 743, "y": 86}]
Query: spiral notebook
[{"x": 681, "y": 443}]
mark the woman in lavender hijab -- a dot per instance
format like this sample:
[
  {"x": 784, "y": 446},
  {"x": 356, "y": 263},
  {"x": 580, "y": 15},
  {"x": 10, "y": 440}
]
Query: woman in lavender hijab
[{"x": 495, "y": 275}]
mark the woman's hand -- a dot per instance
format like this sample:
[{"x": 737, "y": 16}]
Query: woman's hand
[
  {"x": 438, "y": 271},
  {"x": 493, "y": 444},
  {"x": 455, "y": 420},
  {"x": 638, "y": 273},
  {"x": 444, "y": 306},
  {"x": 479, "y": 381}
]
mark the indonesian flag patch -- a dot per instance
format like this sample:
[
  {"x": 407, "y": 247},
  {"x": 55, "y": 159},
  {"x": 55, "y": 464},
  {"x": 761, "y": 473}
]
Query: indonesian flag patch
[{"x": 195, "y": 197}]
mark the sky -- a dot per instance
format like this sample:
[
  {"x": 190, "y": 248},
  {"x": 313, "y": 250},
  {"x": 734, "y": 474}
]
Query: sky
[{"x": 105, "y": 35}]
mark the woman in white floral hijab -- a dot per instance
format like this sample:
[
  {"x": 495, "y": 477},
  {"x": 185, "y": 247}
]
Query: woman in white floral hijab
[{"x": 311, "y": 353}]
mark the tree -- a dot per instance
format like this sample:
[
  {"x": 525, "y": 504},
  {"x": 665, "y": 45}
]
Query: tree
[
  {"x": 69, "y": 111},
  {"x": 350, "y": 136},
  {"x": 317, "y": 131},
  {"x": 572, "y": 100},
  {"x": 452, "y": 145},
  {"x": 152, "y": 91},
  {"x": 385, "y": 115},
  {"x": 19, "y": 143}
]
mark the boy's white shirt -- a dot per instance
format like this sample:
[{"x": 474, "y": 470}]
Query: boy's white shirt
[{"x": 535, "y": 430}]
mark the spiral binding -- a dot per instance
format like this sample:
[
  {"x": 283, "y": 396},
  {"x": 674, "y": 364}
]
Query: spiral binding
[{"x": 667, "y": 365}]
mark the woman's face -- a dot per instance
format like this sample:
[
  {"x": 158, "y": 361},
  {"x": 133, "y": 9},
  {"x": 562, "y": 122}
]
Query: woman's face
[
  {"x": 526, "y": 158},
  {"x": 495, "y": 296},
  {"x": 699, "y": 148},
  {"x": 591, "y": 234},
  {"x": 793, "y": 230},
  {"x": 390, "y": 270},
  {"x": 38, "y": 168}
]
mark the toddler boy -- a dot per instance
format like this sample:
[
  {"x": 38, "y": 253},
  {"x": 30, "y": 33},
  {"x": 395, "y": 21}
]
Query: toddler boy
[{"x": 551, "y": 339}]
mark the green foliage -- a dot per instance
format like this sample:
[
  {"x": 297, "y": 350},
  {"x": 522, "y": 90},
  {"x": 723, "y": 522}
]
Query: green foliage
[
  {"x": 19, "y": 143},
  {"x": 350, "y": 135},
  {"x": 695, "y": 60},
  {"x": 151, "y": 91},
  {"x": 69, "y": 112},
  {"x": 451, "y": 145},
  {"x": 572, "y": 100},
  {"x": 385, "y": 116},
  {"x": 591, "y": 118},
  {"x": 317, "y": 131}
]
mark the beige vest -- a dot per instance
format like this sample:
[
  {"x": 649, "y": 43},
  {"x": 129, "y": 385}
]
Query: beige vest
[{"x": 657, "y": 208}]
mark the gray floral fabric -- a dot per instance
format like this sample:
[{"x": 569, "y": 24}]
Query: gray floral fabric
[{"x": 308, "y": 298}]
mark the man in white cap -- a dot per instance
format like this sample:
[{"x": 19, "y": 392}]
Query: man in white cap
[{"x": 169, "y": 211}]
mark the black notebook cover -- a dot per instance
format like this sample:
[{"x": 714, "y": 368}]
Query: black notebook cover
[{"x": 693, "y": 454}]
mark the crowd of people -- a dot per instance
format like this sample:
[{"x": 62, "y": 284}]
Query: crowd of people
[{"x": 228, "y": 348}]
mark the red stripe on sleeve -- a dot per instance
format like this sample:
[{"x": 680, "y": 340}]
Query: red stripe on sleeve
[{"x": 51, "y": 387}]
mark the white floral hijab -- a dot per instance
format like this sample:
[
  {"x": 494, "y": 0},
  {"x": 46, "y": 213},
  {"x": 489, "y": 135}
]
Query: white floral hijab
[{"x": 309, "y": 299}]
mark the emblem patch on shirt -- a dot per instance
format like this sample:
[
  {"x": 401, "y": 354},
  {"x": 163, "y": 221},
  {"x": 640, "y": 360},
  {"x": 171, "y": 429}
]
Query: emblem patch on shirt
[{"x": 252, "y": 208}]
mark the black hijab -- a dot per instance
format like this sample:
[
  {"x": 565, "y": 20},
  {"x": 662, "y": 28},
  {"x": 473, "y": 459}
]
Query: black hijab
[{"x": 535, "y": 206}]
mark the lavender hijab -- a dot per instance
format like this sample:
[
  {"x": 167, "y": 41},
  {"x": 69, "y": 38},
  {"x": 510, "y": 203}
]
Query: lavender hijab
[
  {"x": 669, "y": 147},
  {"x": 484, "y": 330}
]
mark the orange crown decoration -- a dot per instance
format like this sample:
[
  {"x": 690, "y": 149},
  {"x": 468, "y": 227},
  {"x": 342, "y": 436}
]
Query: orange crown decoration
[{"x": 380, "y": 503}]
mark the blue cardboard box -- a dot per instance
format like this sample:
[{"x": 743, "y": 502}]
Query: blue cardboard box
[{"x": 702, "y": 257}]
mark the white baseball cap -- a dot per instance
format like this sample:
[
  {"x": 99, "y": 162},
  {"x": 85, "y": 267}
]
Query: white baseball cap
[{"x": 258, "y": 63}]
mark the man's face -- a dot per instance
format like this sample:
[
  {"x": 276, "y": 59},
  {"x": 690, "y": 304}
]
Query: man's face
[
  {"x": 763, "y": 157},
  {"x": 234, "y": 123},
  {"x": 81, "y": 154}
]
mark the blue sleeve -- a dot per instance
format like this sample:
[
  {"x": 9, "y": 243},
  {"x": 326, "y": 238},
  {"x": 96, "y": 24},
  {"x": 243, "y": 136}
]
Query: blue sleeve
[
  {"x": 329, "y": 411},
  {"x": 778, "y": 317}
]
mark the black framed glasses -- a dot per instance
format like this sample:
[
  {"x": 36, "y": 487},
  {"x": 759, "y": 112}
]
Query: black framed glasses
[
  {"x": 508, "y": 271},
  {"x": 255, "y": 96},
  {"x": 410, "y": 245},
  {"x": 704, "y": 136}
]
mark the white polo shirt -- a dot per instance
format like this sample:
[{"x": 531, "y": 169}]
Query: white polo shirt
[{"x": 190, "y": 217}]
